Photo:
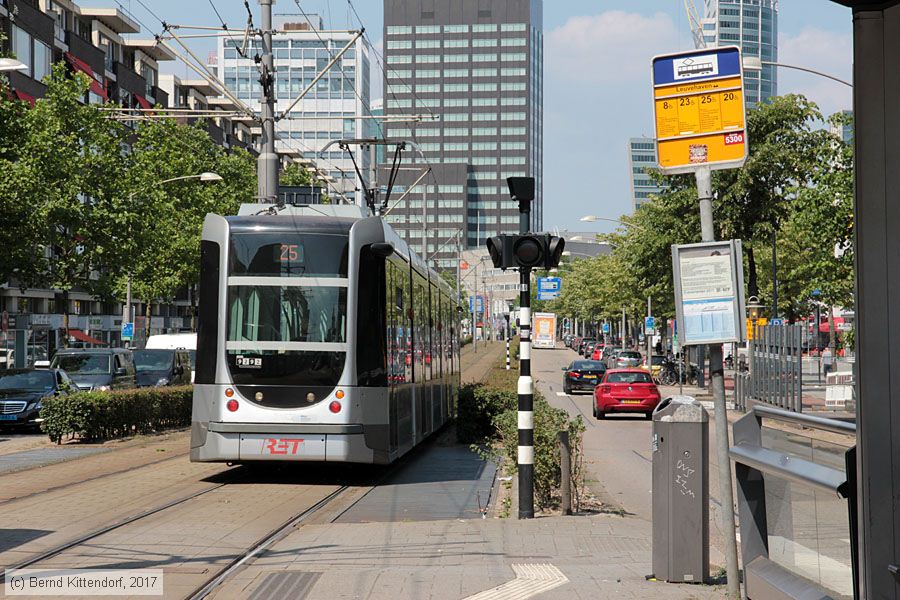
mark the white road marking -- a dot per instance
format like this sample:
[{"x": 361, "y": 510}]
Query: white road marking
[{"x": 530, "y": 580}]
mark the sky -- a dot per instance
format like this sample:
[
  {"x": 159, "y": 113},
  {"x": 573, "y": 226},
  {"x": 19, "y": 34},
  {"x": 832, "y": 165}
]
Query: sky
[{"x": 596, "y": 77}]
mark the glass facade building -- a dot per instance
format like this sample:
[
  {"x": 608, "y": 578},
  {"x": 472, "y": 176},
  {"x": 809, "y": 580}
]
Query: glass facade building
[
  {"x": 641, "y": 156},
  {"x": 474, "y": 71},
  {"x": 753, "y": 26},
  {"x": 328, "y": 112}
]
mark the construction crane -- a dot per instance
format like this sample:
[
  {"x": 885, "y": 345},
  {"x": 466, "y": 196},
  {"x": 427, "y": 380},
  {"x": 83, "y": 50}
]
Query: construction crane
[{"x": 695, "y": 23}]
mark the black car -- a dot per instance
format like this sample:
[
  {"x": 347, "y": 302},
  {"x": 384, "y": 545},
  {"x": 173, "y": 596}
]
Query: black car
[
  {"x": 582, "y": 375},
  {"x": 98, "y": 369},
  {"x": 582, "y": 347},
  {"x": 159, "y": 367},
  {"x": 23, "y": 390}
]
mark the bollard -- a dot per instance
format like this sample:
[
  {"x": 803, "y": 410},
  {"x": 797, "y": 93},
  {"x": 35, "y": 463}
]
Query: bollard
[{"x": 565, "y": 468}]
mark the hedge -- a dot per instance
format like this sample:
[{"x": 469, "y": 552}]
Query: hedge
[
  {"x": 487, "y": 416},
  {"x": 115, "y": 414}
]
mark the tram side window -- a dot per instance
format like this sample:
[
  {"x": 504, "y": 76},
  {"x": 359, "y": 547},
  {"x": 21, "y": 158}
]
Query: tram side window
[
  {"x": 398, "y": 332},
  {"x": 420, "y": 324},
  {"x": 371, "y": 352},
  {"x": 436, "y": 354}
]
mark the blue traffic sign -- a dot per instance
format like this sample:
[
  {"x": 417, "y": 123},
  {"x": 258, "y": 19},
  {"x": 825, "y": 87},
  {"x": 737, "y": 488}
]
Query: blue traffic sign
[
  {"x": 127, "y": 331},
  {"x": 776, "y": 321},
  {"x": 606, "y": 328},
  {"x": 649, "y": 324},
  {"x": 702, "y": 64},
  {"x": 549, "y": 288},
  {"x": 480, "y": 304}
]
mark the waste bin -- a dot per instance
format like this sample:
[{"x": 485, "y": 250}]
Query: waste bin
[{"x": 680, "y": 448}]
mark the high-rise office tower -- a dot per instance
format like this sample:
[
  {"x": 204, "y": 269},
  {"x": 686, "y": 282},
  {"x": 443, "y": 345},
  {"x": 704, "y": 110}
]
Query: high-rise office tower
[
  {"x": 331, "y": 111},
  {"x": 474, "y": 69},
  {"x": 641, "y": 156},
  {"x": 753, "y": 26}
]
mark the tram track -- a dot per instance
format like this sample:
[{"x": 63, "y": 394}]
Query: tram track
[
  {"x": 81, "y": 540},
  {"x": 94, "y": 479}
]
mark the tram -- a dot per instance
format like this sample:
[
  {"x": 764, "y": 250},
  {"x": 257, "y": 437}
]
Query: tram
[{"x": 321, "y": 337}]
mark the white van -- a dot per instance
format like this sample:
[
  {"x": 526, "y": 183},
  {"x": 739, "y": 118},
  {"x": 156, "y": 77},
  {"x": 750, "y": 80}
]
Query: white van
[{"x": 175, "y": 341}]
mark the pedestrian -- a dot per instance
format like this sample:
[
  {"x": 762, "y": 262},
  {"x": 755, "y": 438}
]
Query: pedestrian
[{"x": 827, "y": 360}]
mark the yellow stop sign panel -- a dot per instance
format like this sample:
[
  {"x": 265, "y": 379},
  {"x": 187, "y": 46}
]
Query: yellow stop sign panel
[{"x": 699, "y": 110}]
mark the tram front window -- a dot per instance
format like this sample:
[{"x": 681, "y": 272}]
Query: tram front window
[{"x": 287, "y": 335}]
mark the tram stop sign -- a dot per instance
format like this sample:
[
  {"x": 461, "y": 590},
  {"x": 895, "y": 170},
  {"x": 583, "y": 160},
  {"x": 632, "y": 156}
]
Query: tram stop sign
[{"x": 698, "y": 100}]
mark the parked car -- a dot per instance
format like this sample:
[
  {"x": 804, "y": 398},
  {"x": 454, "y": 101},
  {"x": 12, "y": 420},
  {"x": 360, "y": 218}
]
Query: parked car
[
  {"x": 157, "y": 367},
  {"x": 581, "y": 345},
  {"x": 176, "y": 341},
  {"x": 582, "y": 375},
  {"x": 625, "y": 390},
  {"x": 589, "y": 348},
  {"x": 23, "y": 390},
  {"x": 576, "y": 343},
  {"x": 624, "y": 359},
  {"x": 97, "y": 368},
  {"x": 597, "y": 352}
]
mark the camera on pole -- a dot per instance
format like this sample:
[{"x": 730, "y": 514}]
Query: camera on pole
[{"x": 529, "y": 251}]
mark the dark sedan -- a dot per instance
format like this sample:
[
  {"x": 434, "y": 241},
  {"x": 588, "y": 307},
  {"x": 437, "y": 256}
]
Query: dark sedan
[
  {"x": 22, "y": 390},
  {"x": 582, "y": 375}
]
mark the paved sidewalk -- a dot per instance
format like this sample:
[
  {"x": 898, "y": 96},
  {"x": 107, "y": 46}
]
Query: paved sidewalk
[{"x": 601, "y": 556}]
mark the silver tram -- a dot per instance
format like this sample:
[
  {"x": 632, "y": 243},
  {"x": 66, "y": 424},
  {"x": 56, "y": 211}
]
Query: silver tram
[{"x": 321, "y": 337}]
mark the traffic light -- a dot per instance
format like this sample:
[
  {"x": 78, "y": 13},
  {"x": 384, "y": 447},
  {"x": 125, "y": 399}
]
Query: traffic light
[{"x": 530, "y": 250}]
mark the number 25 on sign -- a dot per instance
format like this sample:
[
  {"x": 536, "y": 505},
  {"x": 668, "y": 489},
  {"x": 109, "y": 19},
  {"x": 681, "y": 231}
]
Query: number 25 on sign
[{"x": 699, "y": 109}]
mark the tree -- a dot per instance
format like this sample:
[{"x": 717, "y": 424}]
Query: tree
[
  {"x": 68, "y": 171},
  {"x": 160, "y": 224},
  {"x": 295, "y": 174}
]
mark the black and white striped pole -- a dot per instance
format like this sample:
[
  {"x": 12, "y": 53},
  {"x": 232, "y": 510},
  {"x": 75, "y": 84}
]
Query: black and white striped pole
[
  {"x": 526, "y": 400},
  {"x": 508, "y": 335}
]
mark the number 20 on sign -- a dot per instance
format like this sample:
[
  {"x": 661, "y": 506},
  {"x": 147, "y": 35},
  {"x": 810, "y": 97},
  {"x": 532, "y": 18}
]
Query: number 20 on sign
[{"x": 699, "y": 111}]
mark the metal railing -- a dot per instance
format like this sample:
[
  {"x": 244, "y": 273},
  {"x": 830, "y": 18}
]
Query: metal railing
[
  {"x": 776, "y": 364},
  {"x": 763, "y": 577}
]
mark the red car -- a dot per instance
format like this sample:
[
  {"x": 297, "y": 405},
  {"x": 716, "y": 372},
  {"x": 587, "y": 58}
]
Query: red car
[
  {"x": 597, "y": 353},
  {"x": 625, "y": 390}
]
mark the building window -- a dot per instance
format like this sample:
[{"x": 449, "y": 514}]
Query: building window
[
  {"x": 484, "y": 146},
  {"x": 512, "y": 101},
  {"x": 484, "y": 87},
  {"x": 512, "y": 160},
  {"x": 428, "y": 58},
  {"x": 456, "y": 132},
  {"x": 513, "y": 27},
  {"x": 456, "y": 117},
  {"x": 484, "y": 102},
  {"x": 456, "y": 58},
  {"x": 516, "y": 116},
  {"x": 428, "y": 102},
  {"x": 456, "y": 147},
  {"x": 428, "y": 73},
  {"x": 399, "y": 44},
  {"x": 399, "y": 59},
  {"x": 484, "y": 117},
  {"x": 42, "y": 56},
  {"x": 21, "y": 47},
  {"x": 484, "y": 27},
  {"x": 455, "y": 102},
  {"x": 484, "y": 72},
  {"x": 513, "y": 57},
  {"x": 400, "y": 74},
  {"x": 456, "y": 43},
  {"x": 428, "y": 43},
  {"x": 512, "y": 145},
  {"x": 456, "y": 28},
  {"x": 399, "y": 30},
  {"x": 512, "y": 131},
  {"x": 428, "y": 29},
  {"x": 399, "y": 88},
  {"x": 512, "y": 87},
  {"x": 428, "y": 132},
  {"x": 512, "y": 42},
  {"x": 484, "y": 43},
  {"x": 429, "y": 88},
  {"x": 456, "y": 73},
  {"x": 484, "y": 58},
  {"x": 512, "y": 72},
  {"x": 456, "y": 87},
  {"x": 399, "y": 104}
]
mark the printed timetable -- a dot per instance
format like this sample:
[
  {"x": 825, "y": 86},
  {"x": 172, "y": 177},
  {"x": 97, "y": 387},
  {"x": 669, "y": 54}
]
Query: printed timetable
[{"x": 699, "y": 111}]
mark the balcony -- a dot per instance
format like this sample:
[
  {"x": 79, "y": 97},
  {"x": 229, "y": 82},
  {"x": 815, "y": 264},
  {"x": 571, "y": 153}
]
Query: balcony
[
  {"x": 128, "y": 80},
  {"x": 86, "y": 51}
]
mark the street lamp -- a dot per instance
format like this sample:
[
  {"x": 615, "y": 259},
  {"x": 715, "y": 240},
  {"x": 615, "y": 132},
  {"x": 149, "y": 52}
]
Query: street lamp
[
  {"x": 206, "y": 177},
  {"x": 11, "y": 64},
  {"x": 595, "y": 218}
]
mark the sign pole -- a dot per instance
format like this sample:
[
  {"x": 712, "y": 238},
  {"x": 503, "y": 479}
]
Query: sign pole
[
  {"x": 717, "y": 375},
  {"x": 649, "y": 336}
]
